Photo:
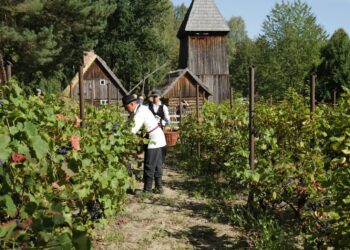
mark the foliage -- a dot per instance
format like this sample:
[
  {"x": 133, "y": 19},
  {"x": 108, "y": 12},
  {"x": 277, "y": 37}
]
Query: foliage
[
  {"x": 334, "y": 70},
  {"x": 140, "y": 37},
  {"x": 301, "y": 164},
  {"x": 58, "y": 180},
  {"x": 284, "y": 54},
  {"x": 45, "y": 38}
]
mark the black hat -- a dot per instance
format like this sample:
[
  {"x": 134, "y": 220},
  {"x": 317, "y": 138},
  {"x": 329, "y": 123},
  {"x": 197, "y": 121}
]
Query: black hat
[
  {"x": 155, "y": 93},
  {"x": 129, "y": 98}
]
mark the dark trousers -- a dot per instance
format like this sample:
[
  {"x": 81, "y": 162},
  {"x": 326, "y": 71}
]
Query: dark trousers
[{"x": 153, "y": 166}]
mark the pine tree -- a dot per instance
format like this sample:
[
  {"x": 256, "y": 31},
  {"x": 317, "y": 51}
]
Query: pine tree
[{"x": 45, "y": 38}]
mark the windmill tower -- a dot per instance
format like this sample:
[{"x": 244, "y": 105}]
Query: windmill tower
[{"x": 203, "y": 48}]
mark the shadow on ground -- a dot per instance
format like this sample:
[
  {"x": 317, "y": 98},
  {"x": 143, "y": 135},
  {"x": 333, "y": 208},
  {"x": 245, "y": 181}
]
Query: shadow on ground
[{"x": 203, "y": 237}]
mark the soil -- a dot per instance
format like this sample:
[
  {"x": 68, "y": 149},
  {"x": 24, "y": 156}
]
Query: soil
[{"x": 176, "y": 219}]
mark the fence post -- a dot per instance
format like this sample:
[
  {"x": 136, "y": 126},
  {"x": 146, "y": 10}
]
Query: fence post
[
  {"x": 8, "y": 70},
  {"x": 312, "y": 93},
  {"x": 197, "y": 111},
  {"x": 251, "y": 126},
  {"x": 231, "y": 98},
  {"x": 334, "y": 97},
  {"x": 109, "y": 90},
  {"x": 81, "y": 95}
]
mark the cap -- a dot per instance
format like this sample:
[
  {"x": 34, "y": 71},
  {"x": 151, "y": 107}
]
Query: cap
[
  {"x": 155, "y": 93},
  {"x": 129, "y": 98}
]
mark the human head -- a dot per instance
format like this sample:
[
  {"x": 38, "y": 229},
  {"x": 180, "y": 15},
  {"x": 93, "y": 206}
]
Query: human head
[
  {"x": 130, "y": 103},
  {"x": 156, "y": 96},
  {"x": 37, "y": 91},
  {"x": 140, "y": 99}
]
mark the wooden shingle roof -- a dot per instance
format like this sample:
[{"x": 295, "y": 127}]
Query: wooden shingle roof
[
  {"x": 172, "y": 77},
  {"x": 88, "y": 61},
  {"x": 203, "y": 16}
]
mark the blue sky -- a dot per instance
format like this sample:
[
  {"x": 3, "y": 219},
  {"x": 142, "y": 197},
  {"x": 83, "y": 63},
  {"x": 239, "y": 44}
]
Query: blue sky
[{"x": 331, "y": 14}]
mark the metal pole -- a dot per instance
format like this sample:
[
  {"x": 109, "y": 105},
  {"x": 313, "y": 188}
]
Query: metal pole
[
  {"x": 81, "y": 95},
  {"x": 231, "y": 98},
  {"x": 312, "y": 93},
  {"x": 251, "y": 128},
  {"x": 9, "y": 70},
  {"x": 334, "y": 97},
  {"x": 197, "y": 110}
]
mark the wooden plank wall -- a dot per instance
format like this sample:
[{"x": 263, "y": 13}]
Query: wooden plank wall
[
  {"x": 219, "y": 85},
  {"x": 92, "y": 85},
  {"x": 184, "y": 87},
  {"x": 207, "y": 58},
  {"x": 208, "y": 55}
]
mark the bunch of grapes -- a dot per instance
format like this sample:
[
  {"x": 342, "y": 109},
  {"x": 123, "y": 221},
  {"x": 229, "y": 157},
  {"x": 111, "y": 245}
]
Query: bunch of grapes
[
  {"x": 95, "y": 209},
  {"x": 64, "y": 150}
]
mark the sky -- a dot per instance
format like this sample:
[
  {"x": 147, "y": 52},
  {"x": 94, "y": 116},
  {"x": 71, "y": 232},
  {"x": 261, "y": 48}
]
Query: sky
[{"x": 330, "y": 14}]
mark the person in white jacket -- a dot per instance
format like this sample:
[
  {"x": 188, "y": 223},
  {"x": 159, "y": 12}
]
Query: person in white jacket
[{"x": 154, "y": 156}]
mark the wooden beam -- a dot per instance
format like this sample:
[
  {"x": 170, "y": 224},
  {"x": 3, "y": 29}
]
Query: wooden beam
[{"x": 81, "y": 95}]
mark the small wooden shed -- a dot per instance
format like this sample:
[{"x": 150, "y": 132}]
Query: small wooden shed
[
  {"x": 182, "y": 85},
  {"x": 101, "y": 86}
]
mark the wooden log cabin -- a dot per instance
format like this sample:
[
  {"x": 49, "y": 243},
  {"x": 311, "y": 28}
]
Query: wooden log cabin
[
  {"x": 203, "y": 48},
  {"x": 101, "y": 86},
  {"x": 181, "y": 85}
]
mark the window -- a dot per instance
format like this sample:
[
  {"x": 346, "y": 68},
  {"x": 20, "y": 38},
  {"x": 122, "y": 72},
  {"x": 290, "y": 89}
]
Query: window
[
  {"x": 103, "y": 102},
  {"x": 103, "y": 82}
]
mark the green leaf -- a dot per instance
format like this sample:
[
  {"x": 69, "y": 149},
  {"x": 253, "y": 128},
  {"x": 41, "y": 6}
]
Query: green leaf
[
  {"x": 5, "y": 154},
  {"x": 30, "y": 129},
  {"x": 68, "y": 171},
  {"x": 40, "y": 147},
  {"x": 11, "y": 209},
  {"x": 346, "y": 151},
  {"x": 256, "y": 177},
  {"x": 4, "y": 141}
]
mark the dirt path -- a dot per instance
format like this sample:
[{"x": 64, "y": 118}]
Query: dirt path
[{"x": 173, "y": 220}]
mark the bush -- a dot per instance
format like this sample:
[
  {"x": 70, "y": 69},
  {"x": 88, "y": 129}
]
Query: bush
[{"x": 58, "y": 181}]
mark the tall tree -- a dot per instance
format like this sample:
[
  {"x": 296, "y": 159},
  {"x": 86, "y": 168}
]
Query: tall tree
[
  {"x": 294, "y": 40},
  {"x": 334, "y": 71},
  {"x": 240, "y": 53},
  {"x": 133, "y": 43},
  {"x": 45, "y": 38}
]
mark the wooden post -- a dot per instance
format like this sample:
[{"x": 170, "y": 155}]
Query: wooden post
[
  {"x": 312, "y": 93},
  {"x": 231, "y": 98},
  {"x": 93, "y": 92},
  {"x": 251, "y": 127},
  {"x": 2, "y": 68},
  {"x": 71, "y": 90},
  {"x": 109, "y": 89},
  {"x": 8, "y": 70},
  {"x": 117, "y": 97},
  {"x": 180, "y": 104},
  {"x": 251, "y": 117},
  {"x": 334, "y": 97},
  {"x": 91, "y": 98},
  {"x": 81, "y": 95},
  {"x": 197, "y": 111}
]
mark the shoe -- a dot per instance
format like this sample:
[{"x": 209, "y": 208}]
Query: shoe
[{"x": 158, "y": 191}]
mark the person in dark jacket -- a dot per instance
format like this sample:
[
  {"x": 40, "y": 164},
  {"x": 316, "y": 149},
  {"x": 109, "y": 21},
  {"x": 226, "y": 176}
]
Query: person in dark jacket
[{"x": 159, "y": 110}]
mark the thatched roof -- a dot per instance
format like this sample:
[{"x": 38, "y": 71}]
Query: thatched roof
[
  {"x": 203, "y": 16},
  {"x": 172, "y": 77},
  {"x": 89, "y": 59}
]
